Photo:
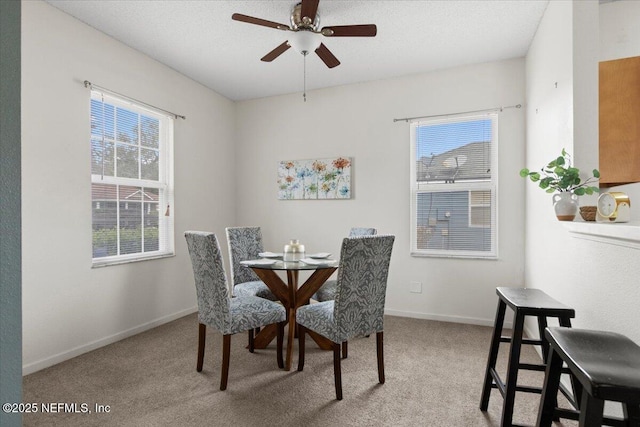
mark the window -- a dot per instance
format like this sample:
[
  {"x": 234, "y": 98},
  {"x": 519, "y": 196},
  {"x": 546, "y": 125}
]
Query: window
[
  {"x": 453, "y": 187},
  {"x": 480, "y": 209},
  {"x": 131, "y": 181}
]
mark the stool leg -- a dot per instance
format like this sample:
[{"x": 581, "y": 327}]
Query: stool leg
[
  {"x": 493, "y": 355},
  {"x": 565, "y": 322},
  {"x": 548, "y": 401},
  {"x": 512, "y": 369},
  {"x": 590, "y": 411},
  {"x": 576, "y": 387},
  {"x": 631, "y": 414},
  {"x": 542, "y": 324}
]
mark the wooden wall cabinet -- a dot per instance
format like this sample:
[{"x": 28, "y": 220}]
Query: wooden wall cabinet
[{"x": 619, "y": 145}]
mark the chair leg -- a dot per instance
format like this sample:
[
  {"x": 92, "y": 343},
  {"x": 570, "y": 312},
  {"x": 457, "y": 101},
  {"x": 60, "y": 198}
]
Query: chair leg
[
  {"x": 337, "y": 371},
  {"x": 251, "y": 341},
  {"x": 226, "y": 352},
  {"x": 380, "y": 351},
  {"x": 344, "y": 349},
  {"x": 279, "y": 341},
  {"x": 202, "y": 334},
  {"x": 301, "y": 333}
]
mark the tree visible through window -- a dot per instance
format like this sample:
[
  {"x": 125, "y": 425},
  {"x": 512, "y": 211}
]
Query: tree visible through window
[
  {"x": 453, "y": 187},
  {"x": 131, "y": 182}
]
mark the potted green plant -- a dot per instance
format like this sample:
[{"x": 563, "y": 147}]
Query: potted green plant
[{"x": 561, "y": 177}]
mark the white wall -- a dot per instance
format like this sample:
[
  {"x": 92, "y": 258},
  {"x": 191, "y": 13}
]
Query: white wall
[
  {"x": 357, "y": 121},
  {"x": 599, "y": 280},
  {"x": 619, "y": 30},
  {"x": 68, "y": 307}
]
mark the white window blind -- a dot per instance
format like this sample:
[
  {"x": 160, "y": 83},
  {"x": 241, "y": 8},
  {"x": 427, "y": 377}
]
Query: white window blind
[
  {"x": 454, "y": 186},
  {"x": 131, "y": 181}
]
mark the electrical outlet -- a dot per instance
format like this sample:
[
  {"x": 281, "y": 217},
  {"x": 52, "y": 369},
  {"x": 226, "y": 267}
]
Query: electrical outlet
[{"x": 415, "y": 287}]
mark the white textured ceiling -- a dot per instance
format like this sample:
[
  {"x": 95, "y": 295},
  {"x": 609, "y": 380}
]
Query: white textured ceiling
[{"x": 199, "y": 39}]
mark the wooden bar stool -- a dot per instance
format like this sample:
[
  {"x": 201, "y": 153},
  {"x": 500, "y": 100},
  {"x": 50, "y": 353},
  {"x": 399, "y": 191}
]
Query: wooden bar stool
[
  {"x": 607, "y": 366},
  {"x": 524, "y": 302}
]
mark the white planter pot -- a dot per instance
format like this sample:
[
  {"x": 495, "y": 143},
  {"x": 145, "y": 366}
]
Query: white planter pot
[{"x": 565, "y": 205}]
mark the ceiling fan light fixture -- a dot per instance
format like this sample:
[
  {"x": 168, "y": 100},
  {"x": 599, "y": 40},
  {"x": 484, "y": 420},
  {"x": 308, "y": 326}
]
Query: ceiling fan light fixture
[
  {"x": 305, "y": 41},
  {"x": 306, "y": 34}
]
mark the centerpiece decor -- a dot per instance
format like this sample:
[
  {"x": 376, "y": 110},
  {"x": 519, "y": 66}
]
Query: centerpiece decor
[{"x": 561, "y": 177}]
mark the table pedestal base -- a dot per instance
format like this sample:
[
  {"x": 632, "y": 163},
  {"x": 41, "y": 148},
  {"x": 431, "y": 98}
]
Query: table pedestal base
[{"x": 291, "y": 297}]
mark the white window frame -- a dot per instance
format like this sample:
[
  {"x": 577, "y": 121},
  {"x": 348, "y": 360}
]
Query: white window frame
[
  {"x": 417, "y": 187},
  {"x": 164, "y": 184}
]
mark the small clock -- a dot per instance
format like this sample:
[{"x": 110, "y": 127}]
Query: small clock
[{"x": 613, "y": 207}]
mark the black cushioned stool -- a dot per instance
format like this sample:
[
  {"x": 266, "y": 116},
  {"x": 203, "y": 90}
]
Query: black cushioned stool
[
  {"x": 607, "y": 367},
  {"x": 524, "y": 302}
]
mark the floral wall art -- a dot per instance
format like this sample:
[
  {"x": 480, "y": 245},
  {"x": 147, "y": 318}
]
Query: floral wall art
[{"x": 315, "y": 179}]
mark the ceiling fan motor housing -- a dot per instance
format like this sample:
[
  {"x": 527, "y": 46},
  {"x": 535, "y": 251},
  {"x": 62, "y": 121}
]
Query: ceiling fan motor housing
[{"x": 299, "y": 22}]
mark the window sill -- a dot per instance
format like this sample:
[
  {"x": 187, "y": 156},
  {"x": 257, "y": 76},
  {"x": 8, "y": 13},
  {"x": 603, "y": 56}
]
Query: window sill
[
  {"x": 455, "y": 255},
  {"x": 106, "y": 262},
  {"x": 624, "y": 234}
]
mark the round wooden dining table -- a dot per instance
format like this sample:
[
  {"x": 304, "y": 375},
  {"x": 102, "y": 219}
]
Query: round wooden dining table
[{"x": 292, "y": 296}]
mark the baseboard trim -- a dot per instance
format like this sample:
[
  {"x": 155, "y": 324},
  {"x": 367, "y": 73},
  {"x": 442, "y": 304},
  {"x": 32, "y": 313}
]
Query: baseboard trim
[
  {"x": 77, "y": 351},
  {"x": 446, "y": 318}
]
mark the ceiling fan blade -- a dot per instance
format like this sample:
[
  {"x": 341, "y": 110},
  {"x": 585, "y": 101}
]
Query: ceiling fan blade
[
  {"x": 326, "y": 56},
  {"x": 366, "y": 30},
  {"x": 276, "y": 52},
  {"x": 257, "y": 21},
  {"x": 309, "y": 9}
]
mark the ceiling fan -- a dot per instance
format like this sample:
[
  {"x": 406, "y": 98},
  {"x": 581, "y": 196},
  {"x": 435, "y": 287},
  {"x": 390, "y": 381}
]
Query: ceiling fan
[{"x": 306, "y": 32}]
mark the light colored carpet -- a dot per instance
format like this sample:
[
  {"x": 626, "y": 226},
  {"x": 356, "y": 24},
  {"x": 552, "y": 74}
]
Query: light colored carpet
[{"x": 434, "y": 373}]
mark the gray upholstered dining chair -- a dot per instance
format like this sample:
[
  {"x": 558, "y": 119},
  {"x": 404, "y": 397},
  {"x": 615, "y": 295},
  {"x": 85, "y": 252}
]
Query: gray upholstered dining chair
[
  {"x": 228, "y": 315},
  {"x": 358, "y": 308},
  {"x": 327, "y": 291},
  {"x": 246, "y": 243}
]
